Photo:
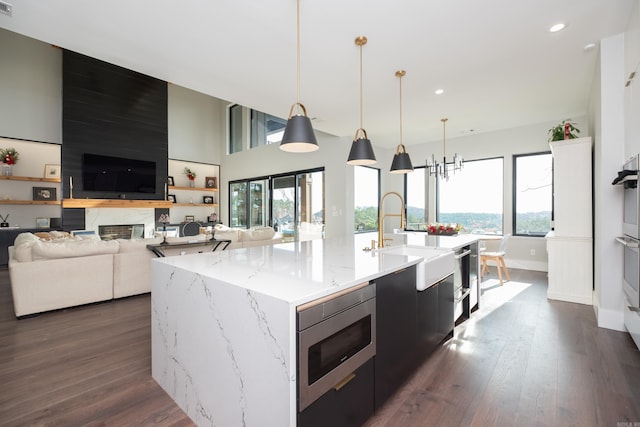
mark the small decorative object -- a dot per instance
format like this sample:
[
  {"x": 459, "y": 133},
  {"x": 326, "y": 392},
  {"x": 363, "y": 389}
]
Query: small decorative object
[
  {"x": 164, "y": 220},
  {"x": 213, "y": 217},
  {"x": 170, "y": 181},
  {"x": 4, "y": 222},
  {"x": 189, "y": 218},
  {"x": 191, "y": 175},
  {"x": 564, "y": 130},
  {"x": 52, "y": 171},
  {"x": 44, "y": 193},
  {"x": 207, "y": 200},
  {"x": 211, "y": 182},
  {"x": 443, "y": 229},
  {"x": 171, "y": 198},
  {"x": 42, "y": 222},
  {"x": 8, "y": 157}
]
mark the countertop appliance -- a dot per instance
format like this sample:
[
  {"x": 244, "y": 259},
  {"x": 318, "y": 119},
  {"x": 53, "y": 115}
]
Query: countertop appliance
[{"x": 336, "y": 335}]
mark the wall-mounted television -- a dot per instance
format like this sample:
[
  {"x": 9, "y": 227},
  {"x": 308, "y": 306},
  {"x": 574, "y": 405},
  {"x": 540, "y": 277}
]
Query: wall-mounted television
[{"x": 117, "y": 174}]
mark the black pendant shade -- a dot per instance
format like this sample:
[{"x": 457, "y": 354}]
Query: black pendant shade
[
  {"x": 361, "y": 151},
  {"x": 298, "y": 135},
  {"x": 401, "y": 161}
]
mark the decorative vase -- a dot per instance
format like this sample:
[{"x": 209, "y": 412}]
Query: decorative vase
[
  {"x": 192, "y": 183},
  {"x": 7, "y": 170}
]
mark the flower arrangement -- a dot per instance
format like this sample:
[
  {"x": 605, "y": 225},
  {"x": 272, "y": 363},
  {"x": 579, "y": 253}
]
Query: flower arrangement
[
  {"x": 445, "y": 229},
  {"x": 9, "y": 156},
  {"x": 190, "y": 174}
]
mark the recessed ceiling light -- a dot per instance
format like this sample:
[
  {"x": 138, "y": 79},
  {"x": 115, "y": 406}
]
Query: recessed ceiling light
[
  {"x": 557, "y": 27},
  {"x": 439, "y": 91},
  {"x": 589, "y": 47}
]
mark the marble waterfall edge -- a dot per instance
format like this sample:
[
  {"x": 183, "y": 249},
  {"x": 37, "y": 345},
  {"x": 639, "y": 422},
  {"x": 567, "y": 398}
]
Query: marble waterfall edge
[{"x": 223, "y": 353}]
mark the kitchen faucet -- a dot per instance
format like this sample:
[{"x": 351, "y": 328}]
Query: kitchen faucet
[{"x": 381, "y": 216}]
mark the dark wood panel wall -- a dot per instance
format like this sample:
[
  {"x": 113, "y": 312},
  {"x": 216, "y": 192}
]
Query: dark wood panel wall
[{"x": 112, "y": 111}]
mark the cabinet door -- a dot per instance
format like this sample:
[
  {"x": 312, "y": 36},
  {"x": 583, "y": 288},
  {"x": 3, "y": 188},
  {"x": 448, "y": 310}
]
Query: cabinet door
[
  {"x": 349, "y": 406},
  {"x": 445, "y": 309},
  {"x": 396, "y": 331},
  {"x": 427, "y": 322}
]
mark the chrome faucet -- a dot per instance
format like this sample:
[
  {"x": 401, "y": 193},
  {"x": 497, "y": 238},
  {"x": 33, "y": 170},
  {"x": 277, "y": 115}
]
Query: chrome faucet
[{"x": 381, "y": 216}]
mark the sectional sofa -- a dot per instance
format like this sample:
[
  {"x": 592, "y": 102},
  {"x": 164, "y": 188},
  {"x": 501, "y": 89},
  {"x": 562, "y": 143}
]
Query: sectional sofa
[{"x": 50, "y": 271}]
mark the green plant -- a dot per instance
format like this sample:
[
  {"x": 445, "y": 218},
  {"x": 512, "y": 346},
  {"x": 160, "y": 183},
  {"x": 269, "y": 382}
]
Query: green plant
[{"x": 556, "y": 133}]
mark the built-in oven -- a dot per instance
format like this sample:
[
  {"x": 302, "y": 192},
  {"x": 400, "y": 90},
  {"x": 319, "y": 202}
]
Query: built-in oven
[
  {"x": 336, "y": 335},
  {"x": 628, "y": 178}
]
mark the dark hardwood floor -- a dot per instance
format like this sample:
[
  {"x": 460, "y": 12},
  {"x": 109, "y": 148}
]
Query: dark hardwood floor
[{"x": 520, "y": 360}]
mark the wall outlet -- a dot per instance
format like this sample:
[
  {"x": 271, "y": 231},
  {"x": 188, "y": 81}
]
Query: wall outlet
[{"x": 532, "y": 252}]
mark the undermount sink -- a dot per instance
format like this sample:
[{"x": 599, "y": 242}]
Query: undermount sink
[{"x": 436, "y": 263}]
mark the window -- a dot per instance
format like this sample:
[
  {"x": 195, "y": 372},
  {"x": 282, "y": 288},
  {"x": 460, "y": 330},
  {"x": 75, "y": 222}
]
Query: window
[
  {"x": 291, "y": 202},
  {"x": 473, "y": 197},
  {"x": 266, "y": 129},
  {"x": 415, "y": 197},
  {"x": 235, "y": 129},
  {"x": 366, "y": 196},
  {"x": 532, "y": 195}
]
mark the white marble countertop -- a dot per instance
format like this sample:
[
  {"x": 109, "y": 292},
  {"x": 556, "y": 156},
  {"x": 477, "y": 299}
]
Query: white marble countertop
[{"x": 296, "y": 272}]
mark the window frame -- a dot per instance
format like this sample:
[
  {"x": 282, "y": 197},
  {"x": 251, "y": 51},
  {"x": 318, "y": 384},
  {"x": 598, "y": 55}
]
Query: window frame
[
  {"x": 514, "y": 191},
  {"x": 379, "y": 183}
]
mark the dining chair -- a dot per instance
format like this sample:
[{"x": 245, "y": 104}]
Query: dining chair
[{"x": 498, "y": 258}]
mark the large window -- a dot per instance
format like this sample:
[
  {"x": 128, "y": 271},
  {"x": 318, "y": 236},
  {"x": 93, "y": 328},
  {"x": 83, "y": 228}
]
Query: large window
[
  {"x": 473, "y": 197},
  {"x": 532, "y": 198},
  {"x": 366, "y": 196},
  {"x": 292, "y": 203},
  {"x": 415, "y": 197}
]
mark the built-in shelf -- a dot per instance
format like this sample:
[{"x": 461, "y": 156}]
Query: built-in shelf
[
  {"x": 30, "y": 202},
  {"x": 173, "y": 187},
  {"x": 28, "y": 178},
  {"x": 195, "y": 204},
  {"x": 115, "y": 203}
]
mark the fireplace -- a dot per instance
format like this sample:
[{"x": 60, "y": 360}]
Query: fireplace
[{"x": 121, "y": 231}]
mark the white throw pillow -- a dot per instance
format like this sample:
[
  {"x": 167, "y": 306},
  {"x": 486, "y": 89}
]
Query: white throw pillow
[
  {"x": 25, "y": 238},
  {"x": 259, "y": 233}
]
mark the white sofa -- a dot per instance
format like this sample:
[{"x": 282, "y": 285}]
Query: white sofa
[
  {"x": 246, "y": 238},
  {"x": 60, "y": 271}
]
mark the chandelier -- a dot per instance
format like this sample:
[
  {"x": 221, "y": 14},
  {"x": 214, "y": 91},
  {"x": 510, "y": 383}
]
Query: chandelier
[{"x": 444, "y": 169}]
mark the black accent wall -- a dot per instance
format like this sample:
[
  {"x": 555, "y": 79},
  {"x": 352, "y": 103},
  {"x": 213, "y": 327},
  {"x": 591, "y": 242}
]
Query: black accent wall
[{"x": 111, "y": 111}]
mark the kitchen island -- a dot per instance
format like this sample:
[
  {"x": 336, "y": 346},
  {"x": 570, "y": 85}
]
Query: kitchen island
[{"x": 224, "y": 323}]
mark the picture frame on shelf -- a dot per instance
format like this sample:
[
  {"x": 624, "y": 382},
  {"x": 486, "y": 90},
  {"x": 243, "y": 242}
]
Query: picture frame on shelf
[
  {"x": 44, "y": 193},
  {"x": 42, "y": 222},
  {"x": 171, "y": 198},
  {"x": 52, "y": 171},
  {"x": 189, "y": 218},
  {"x": 211, "y": 182},
  {"x": 170, "y": 181},
  {"x": 207, "y": 200}
]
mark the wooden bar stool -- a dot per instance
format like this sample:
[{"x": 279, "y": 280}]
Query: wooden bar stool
[{"x": 498, "y": 258}]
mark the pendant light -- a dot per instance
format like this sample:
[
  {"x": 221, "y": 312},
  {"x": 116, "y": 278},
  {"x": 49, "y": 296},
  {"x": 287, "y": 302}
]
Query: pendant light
[
  {"x": 298, "y": 134},
  {"x": 445, "y": 169},
  {"x": 401, "y": 161},
  {"x": 361, "y": 150}
]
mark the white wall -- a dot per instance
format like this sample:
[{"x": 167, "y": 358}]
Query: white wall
[{"x": 34, "y": 114}]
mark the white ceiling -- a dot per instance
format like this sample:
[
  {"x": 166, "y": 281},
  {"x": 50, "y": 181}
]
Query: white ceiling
[{"x": 499, "y": 65}]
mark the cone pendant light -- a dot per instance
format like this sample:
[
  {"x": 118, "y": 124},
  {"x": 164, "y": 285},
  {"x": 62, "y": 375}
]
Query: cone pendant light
[
  {"x": 361, "y": 150},
  {"x": 401, "y": 161},
  {"x": 298, "y": 134}
]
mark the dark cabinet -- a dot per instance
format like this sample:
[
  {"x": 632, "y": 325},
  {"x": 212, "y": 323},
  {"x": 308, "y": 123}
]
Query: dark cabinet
[
  {"x": 349, "y": 406},
  {"x": 435, "y": 320},
  {"x": 396, "y": 331}
]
